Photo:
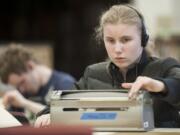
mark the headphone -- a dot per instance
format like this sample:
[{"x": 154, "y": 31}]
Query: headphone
[{"x": 144, "y": 35}]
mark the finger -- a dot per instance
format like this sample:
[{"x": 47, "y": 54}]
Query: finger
[
  {"x": 48, "y": 119},
  {"x": 134, "y": 89},
  {"x": 127, "y": 85},
  {"x": 45, "y": 122},
  {"x": 37, "y": 123},
  {"x": 48, "y": 122},
  {"x": 135, "y": 95}
]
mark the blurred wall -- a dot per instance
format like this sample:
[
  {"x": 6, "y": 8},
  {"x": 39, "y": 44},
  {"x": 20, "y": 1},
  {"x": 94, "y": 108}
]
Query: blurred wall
[
  {"x": 162, "y": 16},
  {"x": 163, "y": 23},
  {"x": 68, "y": 24}
]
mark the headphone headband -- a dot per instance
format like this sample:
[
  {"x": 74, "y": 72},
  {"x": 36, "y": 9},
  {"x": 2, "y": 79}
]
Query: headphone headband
[{"x": 144, "y": 35}]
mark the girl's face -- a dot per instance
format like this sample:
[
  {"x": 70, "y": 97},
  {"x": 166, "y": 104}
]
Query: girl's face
[{"x": 123, "y": 44}]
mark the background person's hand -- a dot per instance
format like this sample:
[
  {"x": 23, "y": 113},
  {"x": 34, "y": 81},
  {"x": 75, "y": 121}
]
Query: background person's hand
[
  {"x": 43, "y": 120},
  {"x": 144, "y": 83}
]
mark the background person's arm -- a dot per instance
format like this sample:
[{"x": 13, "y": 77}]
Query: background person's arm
[{"x": 16, "y": 99}]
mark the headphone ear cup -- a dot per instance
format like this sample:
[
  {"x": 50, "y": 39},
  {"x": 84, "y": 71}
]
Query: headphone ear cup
[
  {"x": 145, "y": 39},
  {"x": 144, "y": 35}
]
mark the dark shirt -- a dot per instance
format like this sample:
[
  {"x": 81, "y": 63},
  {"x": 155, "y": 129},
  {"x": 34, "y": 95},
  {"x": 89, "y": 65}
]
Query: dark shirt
[
  {"x": 57, "y": 81},
  {"x": 106, "y": 75}
]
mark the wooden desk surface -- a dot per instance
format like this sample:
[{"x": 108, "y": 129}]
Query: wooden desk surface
[{"x": 157, "y": 131}]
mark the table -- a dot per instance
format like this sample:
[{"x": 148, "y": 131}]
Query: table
[{"x": 156, "y": 131}]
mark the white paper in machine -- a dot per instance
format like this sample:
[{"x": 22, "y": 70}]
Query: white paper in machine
[{"x": 105, "y": 110}]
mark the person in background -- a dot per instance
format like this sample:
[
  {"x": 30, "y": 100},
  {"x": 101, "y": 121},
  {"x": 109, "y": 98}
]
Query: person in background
[
  {"x": 32, "y": 79},
  {"x": 123, "y": 32}
]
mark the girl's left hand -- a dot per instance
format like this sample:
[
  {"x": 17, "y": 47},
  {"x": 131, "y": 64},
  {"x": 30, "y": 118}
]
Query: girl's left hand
[{"x": 145, "y": 83}]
